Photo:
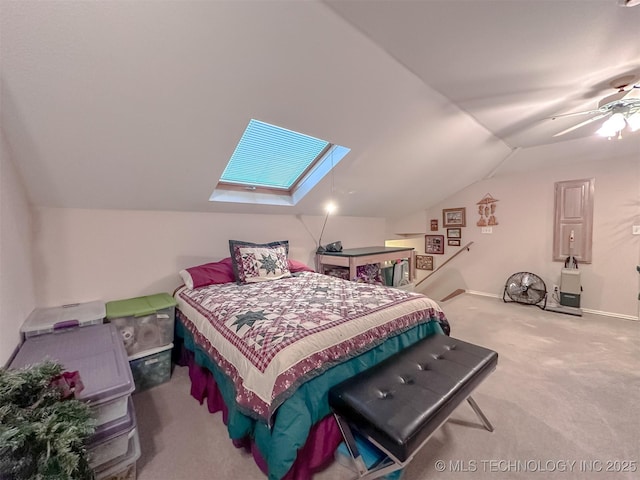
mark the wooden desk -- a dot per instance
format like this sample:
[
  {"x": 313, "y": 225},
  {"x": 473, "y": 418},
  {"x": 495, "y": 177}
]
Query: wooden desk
[{"x": 353, "y": 257}]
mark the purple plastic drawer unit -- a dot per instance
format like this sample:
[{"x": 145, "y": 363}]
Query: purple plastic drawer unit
[
  {"x": 49, "y": 320},
  {"x": 111, "y": 440},
  {"x": 123, "y": 467},
  {"x": 98, "y": 354}
]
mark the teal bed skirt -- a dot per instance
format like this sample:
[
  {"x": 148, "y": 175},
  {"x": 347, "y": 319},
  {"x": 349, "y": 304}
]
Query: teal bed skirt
[{"x": 278, "y": 445}]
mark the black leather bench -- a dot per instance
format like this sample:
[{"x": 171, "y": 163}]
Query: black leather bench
[{"x": 400, "y": 402}]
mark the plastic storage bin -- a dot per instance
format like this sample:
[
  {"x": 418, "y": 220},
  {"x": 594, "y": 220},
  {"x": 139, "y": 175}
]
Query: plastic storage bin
[
  {"x": 124, "y": 467},
  {"x": 98, "y": 354},
  {"x": 48, "y": 320},
  {"x": 111, "y": 440},
  {"x": 151, "y": 368},
  {"x": 144, "y": 322}
]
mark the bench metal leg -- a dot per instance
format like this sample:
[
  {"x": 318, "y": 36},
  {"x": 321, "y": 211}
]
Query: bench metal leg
[
  {"x": 350, "y": 442},
  {"x": 485, "y": 421},
  {"x": 384, "y": 467}
]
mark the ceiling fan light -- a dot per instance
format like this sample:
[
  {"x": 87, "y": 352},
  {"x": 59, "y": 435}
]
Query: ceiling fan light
[
  {"x": 634, "y": 121},
  {"x": 628, "y": 3},
  {"x": 603, "y": 131},
  {"x": 613, "y": 125},
  {"x": 616, "y": 122}
]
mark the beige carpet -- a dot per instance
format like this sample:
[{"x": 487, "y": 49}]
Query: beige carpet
[{"x": 564, "y": 401}]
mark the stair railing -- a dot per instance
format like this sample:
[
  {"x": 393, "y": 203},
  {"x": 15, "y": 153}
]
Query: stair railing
[{"x": 466, "y": 247}]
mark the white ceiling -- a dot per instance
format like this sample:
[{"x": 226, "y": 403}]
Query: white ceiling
[
  {"x": 510, "y": 64},
  {"x": 139, "y": 105}
]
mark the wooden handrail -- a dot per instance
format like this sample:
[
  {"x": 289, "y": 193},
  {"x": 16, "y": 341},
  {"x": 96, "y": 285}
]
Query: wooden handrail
[{"x": 446, "y": 261}]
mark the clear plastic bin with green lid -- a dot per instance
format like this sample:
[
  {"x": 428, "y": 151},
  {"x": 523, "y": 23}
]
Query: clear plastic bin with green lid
[{"x": 144, "y": 322}]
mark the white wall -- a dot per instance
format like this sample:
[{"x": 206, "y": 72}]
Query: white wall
[
  {"x": 523, "y": 239},
  {"x": 16, "y": 274},
  {"x": 82, "y": 255}
]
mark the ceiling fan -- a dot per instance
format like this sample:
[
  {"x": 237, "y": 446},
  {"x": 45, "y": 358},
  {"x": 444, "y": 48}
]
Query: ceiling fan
[{"x": 620, "y": 109}]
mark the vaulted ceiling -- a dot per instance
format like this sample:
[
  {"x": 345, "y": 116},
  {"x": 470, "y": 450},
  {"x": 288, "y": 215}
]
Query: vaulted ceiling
[{"x": 139, "y": 105}]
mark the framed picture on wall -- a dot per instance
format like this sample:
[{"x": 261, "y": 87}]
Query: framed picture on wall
[
  {"x": 454, "y": 232},
  {"x": 453, "y": 242},
  {"x": 424, "y": 262},
  {"x": 434, "y": 224},
  {"x": 434, "y": 244},
  {"x": 454, "y": 217}
]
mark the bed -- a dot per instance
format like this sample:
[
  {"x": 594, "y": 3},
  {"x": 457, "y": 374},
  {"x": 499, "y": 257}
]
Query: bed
[{"x": 266, "y": 354}]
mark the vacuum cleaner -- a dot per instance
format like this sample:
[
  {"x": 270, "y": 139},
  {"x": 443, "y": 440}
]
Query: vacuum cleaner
[{"x": 570, "y": 286}]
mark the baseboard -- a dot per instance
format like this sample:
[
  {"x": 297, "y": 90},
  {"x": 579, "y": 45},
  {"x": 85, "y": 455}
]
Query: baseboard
[
  {"x": 610, "y": 314},
  {"x": 12, "y": 356},
  {"x": 484, "y": 294},
  {"x": 585, "y": 310}
]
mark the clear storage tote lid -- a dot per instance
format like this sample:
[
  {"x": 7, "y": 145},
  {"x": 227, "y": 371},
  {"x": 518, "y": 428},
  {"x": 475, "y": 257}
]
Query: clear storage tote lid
[{"x": 43, "y": 320}]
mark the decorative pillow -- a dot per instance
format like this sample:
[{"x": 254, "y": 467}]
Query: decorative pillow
[
  {"x": 208, "y": 274},
  {"x": 295, "y": 266},
  {"x": 258, "y": 262}
]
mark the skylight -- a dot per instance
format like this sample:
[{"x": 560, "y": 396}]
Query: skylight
[
  {"x": 273, "y": 165},
  {"x": 272, "y": 157}
]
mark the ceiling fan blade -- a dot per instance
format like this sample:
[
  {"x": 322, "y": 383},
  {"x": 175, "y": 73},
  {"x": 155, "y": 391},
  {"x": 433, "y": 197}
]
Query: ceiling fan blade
[
  {"x": 573, "y": 114},
  {"x": 582, "y": 124}
]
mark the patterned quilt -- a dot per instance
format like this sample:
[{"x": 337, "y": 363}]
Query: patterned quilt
[{"x": 270, "y": 337}]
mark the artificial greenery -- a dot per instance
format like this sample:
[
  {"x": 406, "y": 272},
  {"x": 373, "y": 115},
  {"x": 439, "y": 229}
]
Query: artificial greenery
[{"x": 42, "y": 434}]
